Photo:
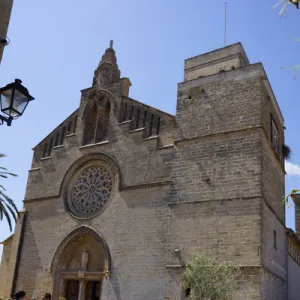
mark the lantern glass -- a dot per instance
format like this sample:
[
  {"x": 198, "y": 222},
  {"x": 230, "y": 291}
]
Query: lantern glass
[
  {"x": 6, "y": 97},
  {"x": 20, "y": 102}
]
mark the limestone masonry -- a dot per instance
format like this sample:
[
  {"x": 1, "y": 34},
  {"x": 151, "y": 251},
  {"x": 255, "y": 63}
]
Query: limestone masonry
[{"x": 118, "y": 186}]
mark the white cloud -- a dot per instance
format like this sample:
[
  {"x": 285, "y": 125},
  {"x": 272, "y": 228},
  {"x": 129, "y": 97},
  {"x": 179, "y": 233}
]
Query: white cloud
[{"x": 291, "y": 169}]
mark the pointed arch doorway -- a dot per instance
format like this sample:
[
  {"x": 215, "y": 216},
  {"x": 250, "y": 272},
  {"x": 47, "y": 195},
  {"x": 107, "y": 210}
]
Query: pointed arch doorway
[{"x": 80, "y": 265}]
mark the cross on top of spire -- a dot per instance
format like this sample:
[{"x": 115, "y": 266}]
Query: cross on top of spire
[{"x": 111, "y": 43}]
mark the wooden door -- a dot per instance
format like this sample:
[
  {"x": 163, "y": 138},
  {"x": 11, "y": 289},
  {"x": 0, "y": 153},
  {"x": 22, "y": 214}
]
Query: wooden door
[
  {"x": 72, "y": 290},
  {"x": 93, "y": 290}
]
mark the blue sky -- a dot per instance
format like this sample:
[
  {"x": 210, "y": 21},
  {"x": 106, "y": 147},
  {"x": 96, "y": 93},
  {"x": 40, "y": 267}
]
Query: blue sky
[{"x": 56, "y": 46}]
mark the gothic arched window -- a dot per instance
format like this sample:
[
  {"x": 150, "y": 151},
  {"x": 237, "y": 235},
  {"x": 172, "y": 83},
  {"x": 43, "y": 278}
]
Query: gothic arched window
[{"x": 96, "y": 121}]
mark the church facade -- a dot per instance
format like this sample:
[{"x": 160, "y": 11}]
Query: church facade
[{"x": 121, "y": 195}]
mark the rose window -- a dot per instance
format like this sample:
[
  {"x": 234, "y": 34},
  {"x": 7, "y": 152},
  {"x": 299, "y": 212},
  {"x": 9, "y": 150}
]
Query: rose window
[{"x": 91, "y": 191}]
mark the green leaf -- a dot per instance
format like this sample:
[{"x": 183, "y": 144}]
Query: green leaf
[{"x": 4, "y": 211}]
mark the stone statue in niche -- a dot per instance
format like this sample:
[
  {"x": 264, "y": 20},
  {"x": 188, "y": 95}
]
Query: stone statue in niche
[{"x": 84, "y": 260}]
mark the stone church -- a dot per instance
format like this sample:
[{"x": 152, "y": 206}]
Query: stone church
[{"x": 121, "y": 195}]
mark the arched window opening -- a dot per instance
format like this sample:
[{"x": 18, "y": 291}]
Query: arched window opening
[
  {"x": 96, "y": 122},
  {"x": 90, "y": 124},
  {"x": 102, "y": 123}
]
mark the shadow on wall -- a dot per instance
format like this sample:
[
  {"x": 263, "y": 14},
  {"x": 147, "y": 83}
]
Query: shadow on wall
[{"x": 115, "y": 282}]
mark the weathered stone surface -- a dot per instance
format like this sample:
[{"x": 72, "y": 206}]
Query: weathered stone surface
[{"x": 206, "y": 179}]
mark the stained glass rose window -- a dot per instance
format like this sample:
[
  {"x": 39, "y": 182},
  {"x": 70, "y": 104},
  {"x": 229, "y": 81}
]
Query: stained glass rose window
[{"x": 91, "y": 191}]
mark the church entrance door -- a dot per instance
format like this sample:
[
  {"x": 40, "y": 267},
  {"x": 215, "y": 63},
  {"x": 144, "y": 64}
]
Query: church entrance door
[
  {"x": 72, "y": 290},
  {"x": 93, "y": 289}
]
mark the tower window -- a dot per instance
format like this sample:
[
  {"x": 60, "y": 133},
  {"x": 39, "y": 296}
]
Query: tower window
[
  {"x": 275, "y": 239},
  {"x": 274, "y": 136}
]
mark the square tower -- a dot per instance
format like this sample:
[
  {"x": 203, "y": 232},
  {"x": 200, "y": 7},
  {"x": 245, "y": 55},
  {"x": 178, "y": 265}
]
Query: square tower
[{"x": 230, "y": 169}]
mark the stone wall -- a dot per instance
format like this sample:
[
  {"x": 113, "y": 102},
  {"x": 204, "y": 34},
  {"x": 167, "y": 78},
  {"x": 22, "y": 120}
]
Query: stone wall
[
  {"x": 4, "y": 267},
  {"x": 294, "y": 275},
  {"x": 138, "y": 252},
  {"x": 216, "y": 189},
  {"x": 5, "y": 11}
]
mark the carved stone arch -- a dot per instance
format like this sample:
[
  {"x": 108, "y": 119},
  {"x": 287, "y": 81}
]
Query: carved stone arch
[
  {"x": 61, "y": 255},
  {"x": 99, "y": 95},
  {"x": 96, "y": 116},
  {"x": 65, "y": 264},
  {"x": 100, "y": 156},
  {"x": 101, "y": 161}
]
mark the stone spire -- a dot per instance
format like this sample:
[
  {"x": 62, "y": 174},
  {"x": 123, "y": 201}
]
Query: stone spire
[{"x": 107, "y": 70}]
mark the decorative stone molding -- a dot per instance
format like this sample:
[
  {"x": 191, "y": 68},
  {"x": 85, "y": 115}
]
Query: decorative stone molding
[
  {"x": 63, "y": 254},
  {"x": 90, "y": 165},
  {"x": 100, "y": 97}
]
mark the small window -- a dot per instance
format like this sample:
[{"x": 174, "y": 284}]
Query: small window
[
  {"x": 274, "y": 136},
  {"x": 275, "y": 239}
]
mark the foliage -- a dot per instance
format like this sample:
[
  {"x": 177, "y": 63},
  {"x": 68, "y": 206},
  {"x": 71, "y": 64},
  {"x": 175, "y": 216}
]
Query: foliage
[
  {"x": 282, "y": 11},
  {"x": 7, "y": 205},
  {"x": 285, "y": 199},
  {"x": 287, "y": 152},
  {"x": 209, "y": 278},
  {"x": 285, "y": 4}
]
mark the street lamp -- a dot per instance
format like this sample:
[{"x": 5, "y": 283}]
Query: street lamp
[{"x": 14, "y": 100}]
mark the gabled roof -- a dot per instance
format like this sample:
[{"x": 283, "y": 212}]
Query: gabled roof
[{"x": 56, "y": 127}]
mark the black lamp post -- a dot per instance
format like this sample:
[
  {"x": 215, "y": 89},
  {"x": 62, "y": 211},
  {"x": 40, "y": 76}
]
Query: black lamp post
[{"x": 13, "y": 102}]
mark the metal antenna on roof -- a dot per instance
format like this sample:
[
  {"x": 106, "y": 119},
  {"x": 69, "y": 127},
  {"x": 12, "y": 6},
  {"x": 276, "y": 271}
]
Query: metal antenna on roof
[{"x": 225, "y": 30}]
